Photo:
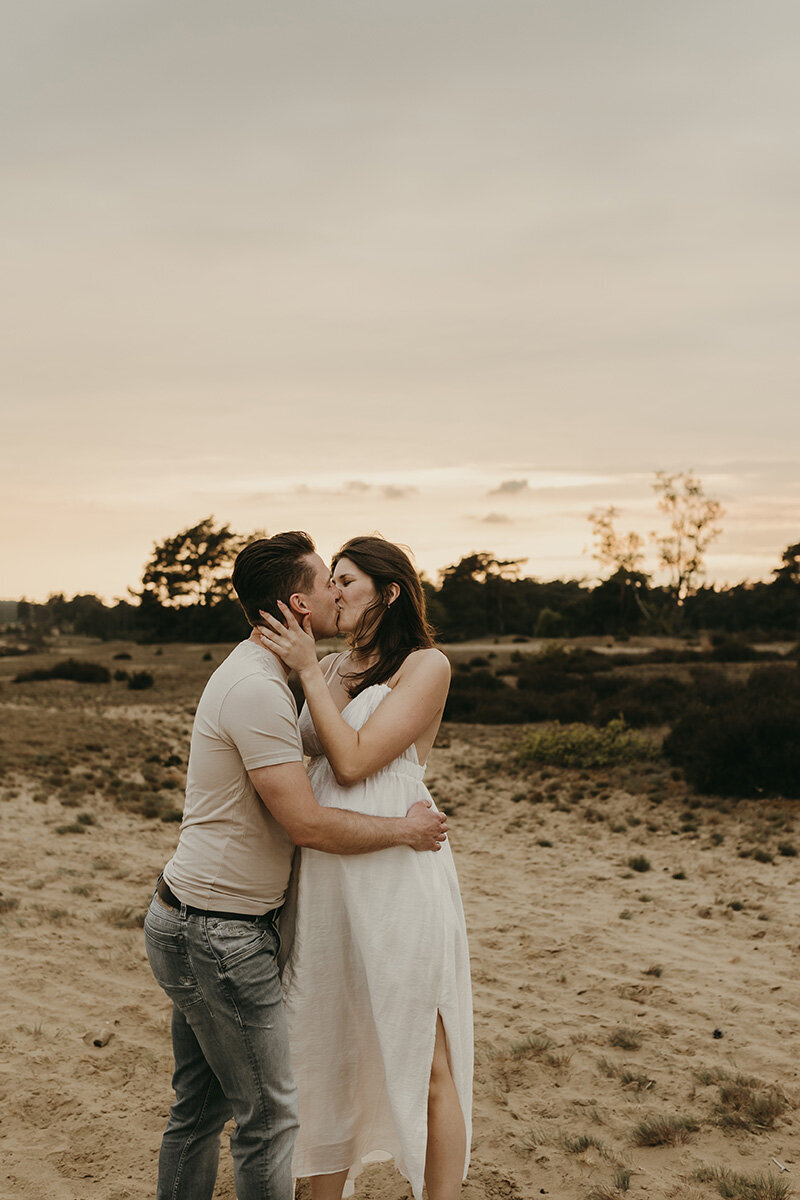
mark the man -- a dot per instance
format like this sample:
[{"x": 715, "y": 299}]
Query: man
[{"x": 210, "y": 929}]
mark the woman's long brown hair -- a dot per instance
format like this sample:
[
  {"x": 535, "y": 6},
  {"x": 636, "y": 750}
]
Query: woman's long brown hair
[{"x": 392, "y": 630}]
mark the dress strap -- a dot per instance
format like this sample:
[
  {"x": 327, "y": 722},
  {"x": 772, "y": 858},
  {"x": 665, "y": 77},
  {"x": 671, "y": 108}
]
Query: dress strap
[{"x": 332, "y": 667}]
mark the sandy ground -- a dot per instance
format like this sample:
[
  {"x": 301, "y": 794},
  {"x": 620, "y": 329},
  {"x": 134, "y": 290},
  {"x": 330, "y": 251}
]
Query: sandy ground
[{"x": 570, "y": 946}]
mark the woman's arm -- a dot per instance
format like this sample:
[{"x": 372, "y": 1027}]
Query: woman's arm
[{"x": 413, "y": 704}]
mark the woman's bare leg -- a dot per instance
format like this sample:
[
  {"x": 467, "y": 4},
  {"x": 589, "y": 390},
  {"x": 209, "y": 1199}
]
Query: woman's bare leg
[
  {"x": 328, "y": 1187},
  {"x": 447, "y": 1136}
]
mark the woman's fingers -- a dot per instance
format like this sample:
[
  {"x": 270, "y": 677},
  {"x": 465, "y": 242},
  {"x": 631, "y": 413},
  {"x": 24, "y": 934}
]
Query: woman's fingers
[
  {"x": 272, "y": 620},
  {"x": 270, "y": 639},
  {"x": 290, "y": 617}
]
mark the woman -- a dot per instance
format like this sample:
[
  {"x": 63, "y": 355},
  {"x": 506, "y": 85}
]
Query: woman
[{"x": 377, "y": 984}]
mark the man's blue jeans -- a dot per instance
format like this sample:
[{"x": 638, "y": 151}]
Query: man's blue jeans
[{"x": 231, "y": 1054}]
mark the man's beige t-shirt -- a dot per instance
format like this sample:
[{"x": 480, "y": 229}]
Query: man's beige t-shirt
[{"x": 232, "y": 854}]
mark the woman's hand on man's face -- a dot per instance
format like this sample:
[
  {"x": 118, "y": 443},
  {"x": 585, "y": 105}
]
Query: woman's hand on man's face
[{"x": 293, "y": 643}]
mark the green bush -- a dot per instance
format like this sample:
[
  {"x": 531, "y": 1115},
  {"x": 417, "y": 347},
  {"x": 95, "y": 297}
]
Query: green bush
[
  {"x": 71, "y": 668},
  {"x": 586, "y": 745}
]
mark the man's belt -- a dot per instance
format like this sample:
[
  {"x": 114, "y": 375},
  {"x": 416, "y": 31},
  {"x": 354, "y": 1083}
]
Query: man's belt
[{"x": 166, "y": 894}]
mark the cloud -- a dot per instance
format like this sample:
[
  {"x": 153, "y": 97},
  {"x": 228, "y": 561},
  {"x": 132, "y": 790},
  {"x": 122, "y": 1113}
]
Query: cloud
[
  {"x": 495, "y": 518},
  {"x": 389, "y": 491},
  {"x": 393, "y": 492},
  {"x": 510, "y": 487}
]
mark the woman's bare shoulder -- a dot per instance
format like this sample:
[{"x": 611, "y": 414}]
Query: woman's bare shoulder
[{"x": 430, "y": 662}]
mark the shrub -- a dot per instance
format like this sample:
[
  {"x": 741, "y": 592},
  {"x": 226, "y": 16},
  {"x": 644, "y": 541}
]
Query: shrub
[
  {"x": 725, "y": 649},
  {"x": 122, "y": 656},
  {"x": 140, "y": 681},
  {"x": 483, "y": 697},
  {"x": 749, "y": 743},
  {"x": 550, "y": 624},
  {"x": 120, "y": 675},
  {"x": 586, "y": 746},
  {"x": 645, "y": 701},
  {"x": 72, "y": 668}
]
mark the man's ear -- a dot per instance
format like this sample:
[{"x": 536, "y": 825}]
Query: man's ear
[{"x": 299, "y": 605}]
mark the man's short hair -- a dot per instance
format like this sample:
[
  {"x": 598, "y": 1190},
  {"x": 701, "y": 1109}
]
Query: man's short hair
[{"x": 272, "y": 569}]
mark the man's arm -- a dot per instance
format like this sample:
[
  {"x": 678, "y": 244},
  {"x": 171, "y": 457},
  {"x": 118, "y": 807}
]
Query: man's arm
[{"x": 286, "y": 792}]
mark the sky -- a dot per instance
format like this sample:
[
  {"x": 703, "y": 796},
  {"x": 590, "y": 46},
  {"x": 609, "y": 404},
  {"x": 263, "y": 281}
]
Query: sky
[{"x": 458, "y": 272}]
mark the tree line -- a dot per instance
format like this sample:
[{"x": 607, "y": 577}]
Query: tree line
[{"x": 185, "y": 592}]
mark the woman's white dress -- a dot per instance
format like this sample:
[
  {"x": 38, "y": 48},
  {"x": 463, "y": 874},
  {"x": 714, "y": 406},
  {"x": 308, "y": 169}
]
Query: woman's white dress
[{"x": 380, "y": 946}]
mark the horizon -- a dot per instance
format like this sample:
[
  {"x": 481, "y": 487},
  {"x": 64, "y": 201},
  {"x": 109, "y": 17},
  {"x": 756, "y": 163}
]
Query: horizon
[{"x": 502, "y": 546}]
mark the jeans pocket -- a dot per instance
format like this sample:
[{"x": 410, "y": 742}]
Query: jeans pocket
[
  {"x": 171, "y": 964},
  {"x": 248, "y": 970},
  {"x": 232, "y": 942}
]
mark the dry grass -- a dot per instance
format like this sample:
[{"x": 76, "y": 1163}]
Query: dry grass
[
  {"x": 582, "y": 1143},
  {"x": 610, "y": 1191},
  {"x": 664, "y": 1131},
  {"x": 126, "y": 918},
  {"x": 75, "y": 753},
  {"x": 733, "y": 1186},
  {"x": 624, "y": 1038},
  {"x": 748, "y": 1104},
  {"x": 536, "y": 1045}
]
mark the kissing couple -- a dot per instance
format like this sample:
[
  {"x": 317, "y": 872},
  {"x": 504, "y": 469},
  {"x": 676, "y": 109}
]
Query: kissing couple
[{"x": 361, "y": 1049}]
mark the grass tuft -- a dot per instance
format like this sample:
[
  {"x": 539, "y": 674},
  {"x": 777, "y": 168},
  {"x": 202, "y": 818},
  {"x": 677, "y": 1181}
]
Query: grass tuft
[
  {"x": 733, "y": 1186},
  {"x": 534, "y": 1046},
  {"x": 745, "y": 1103},
  {"x": 664, "y": 1131},
  {"x": 611, "y": 1191},
  {"x": 624, "y": 1038},
  {"x": 577, "y": 1145},
  {"x": 635, "y": 1079},
  {"x": 126, "y": 918}
]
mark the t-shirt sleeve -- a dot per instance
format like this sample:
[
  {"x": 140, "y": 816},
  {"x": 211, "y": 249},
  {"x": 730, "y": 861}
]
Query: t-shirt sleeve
[{"x": 258, "y": 715}]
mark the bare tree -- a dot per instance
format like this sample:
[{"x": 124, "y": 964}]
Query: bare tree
[
  {"x": 620, "y": 551},
  {"x": 692, "y": 518},
  {"x": 624, "y": 554}
]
